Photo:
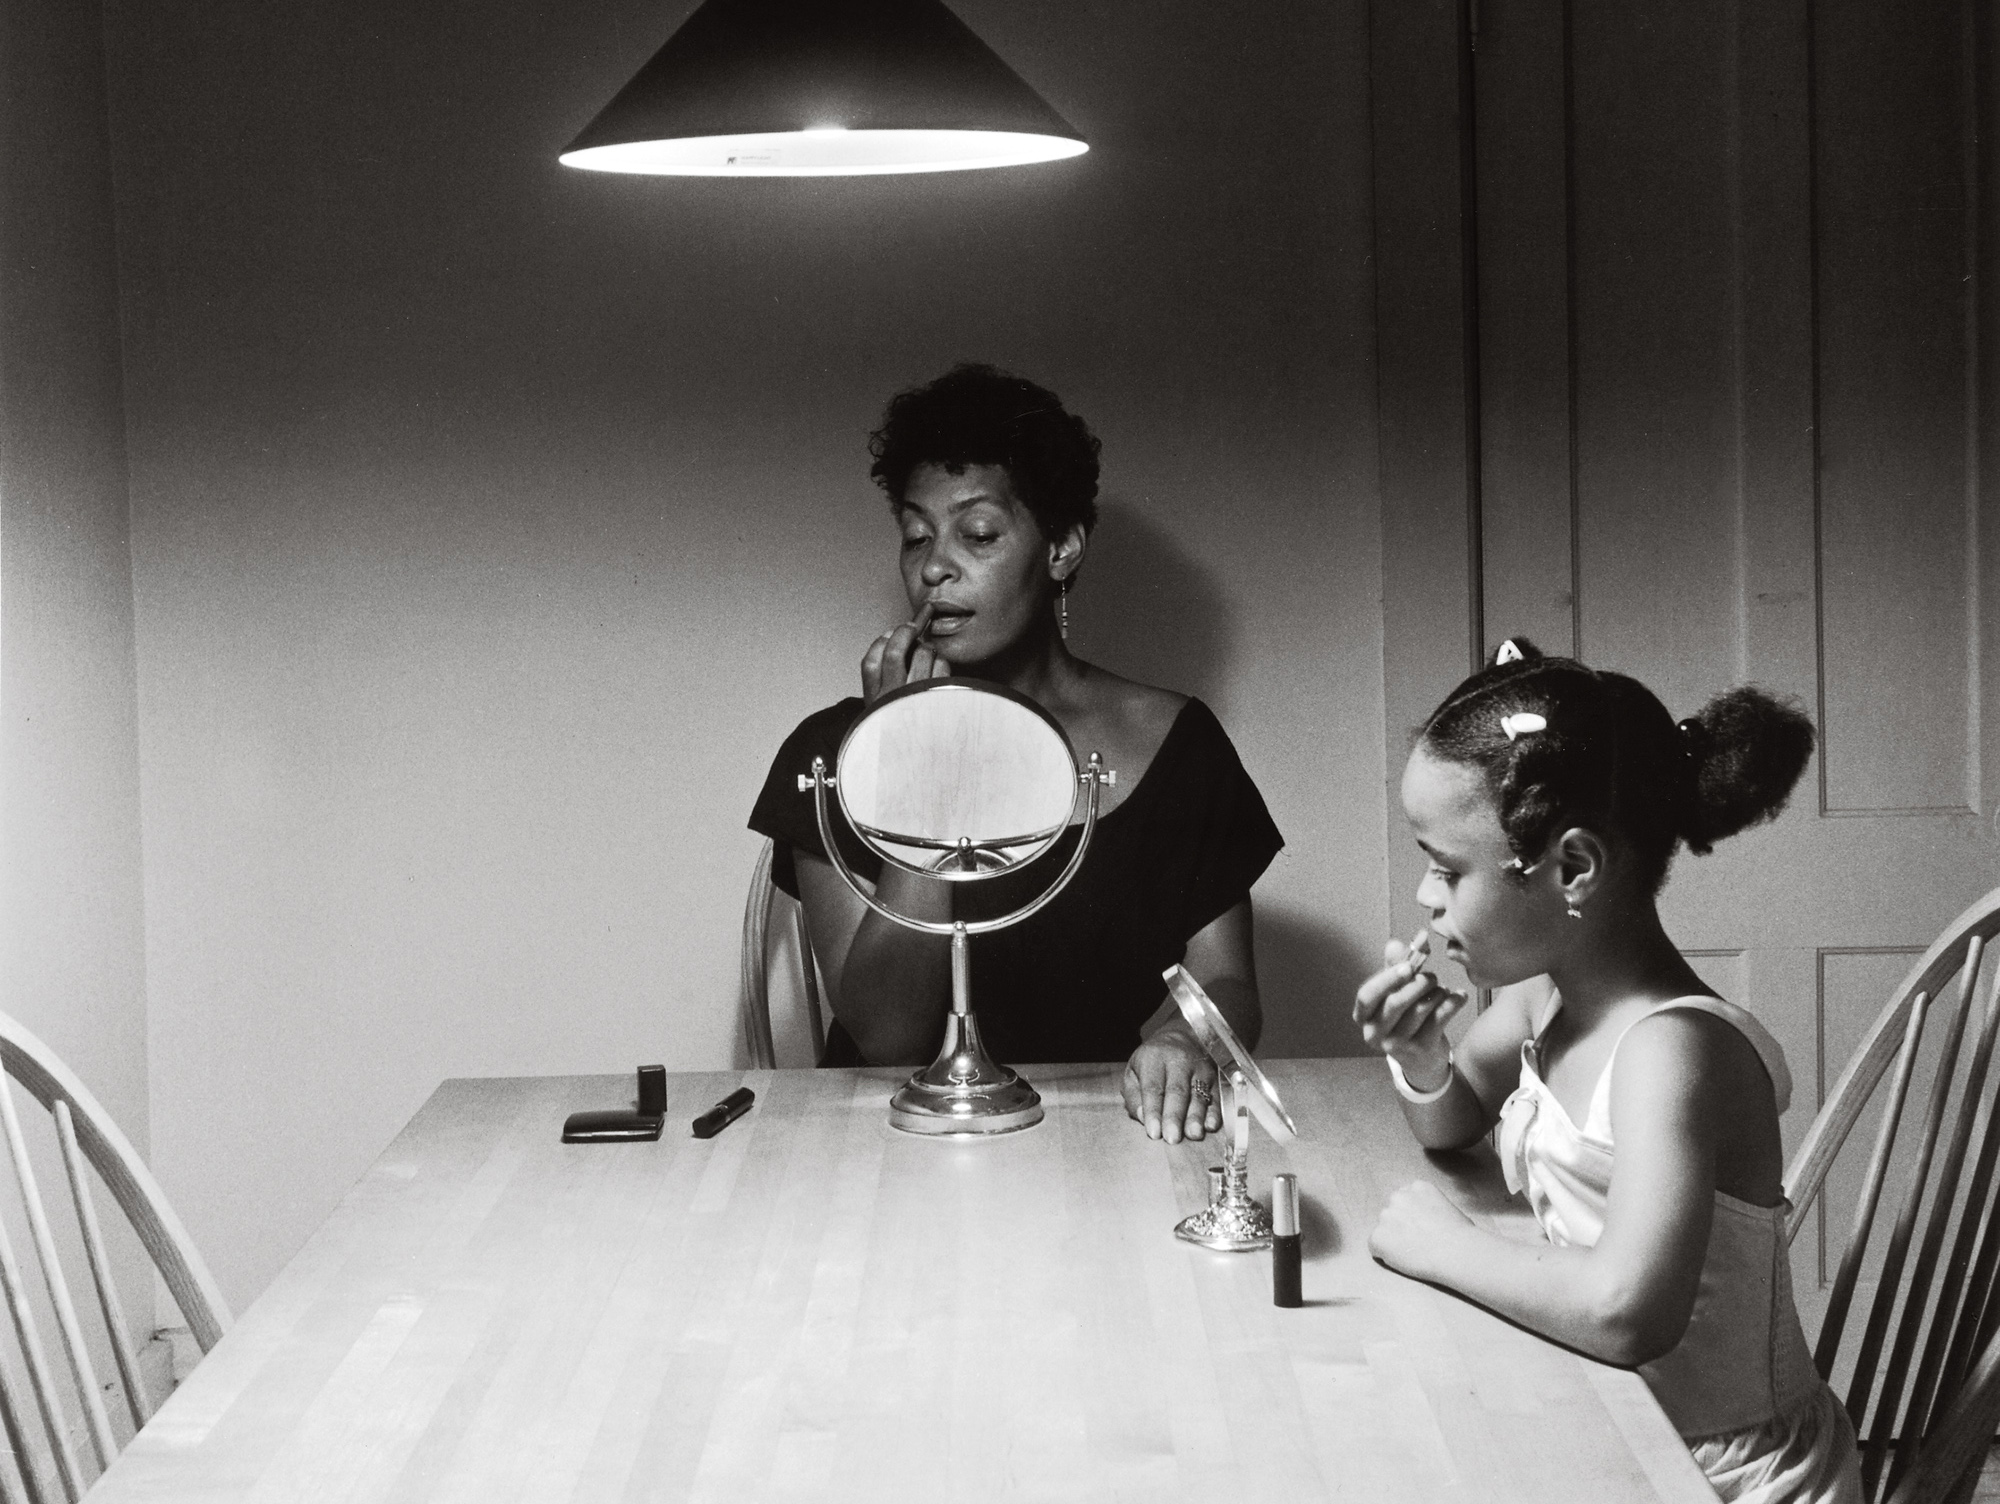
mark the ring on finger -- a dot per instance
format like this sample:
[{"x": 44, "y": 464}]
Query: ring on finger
[{"x": 1200, "y": 1090}]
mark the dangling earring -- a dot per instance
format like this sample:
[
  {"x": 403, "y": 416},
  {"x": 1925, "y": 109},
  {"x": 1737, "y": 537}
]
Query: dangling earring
[
  {"x": 1062, "y": 609},
  {"x": 1573, "y": 911}
]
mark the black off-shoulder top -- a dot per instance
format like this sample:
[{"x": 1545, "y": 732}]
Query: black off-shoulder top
[{"x": 1075, "y": 981}]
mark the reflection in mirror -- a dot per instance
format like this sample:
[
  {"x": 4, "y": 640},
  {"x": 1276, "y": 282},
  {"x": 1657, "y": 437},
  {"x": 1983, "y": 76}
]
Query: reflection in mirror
[
  {"x": 1211, "y": 1027},
  {"x": 956, "y": 769}
]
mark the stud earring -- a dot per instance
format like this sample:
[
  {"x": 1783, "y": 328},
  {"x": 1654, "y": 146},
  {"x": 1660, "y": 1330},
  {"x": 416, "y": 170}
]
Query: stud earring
[
  {"x": 1573, "y": 911},
  {"x": 1062, "y": 609}
]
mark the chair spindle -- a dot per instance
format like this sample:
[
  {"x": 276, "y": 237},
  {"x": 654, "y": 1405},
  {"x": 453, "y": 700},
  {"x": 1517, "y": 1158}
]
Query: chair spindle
[
  {"x": 97, "y": 1421},
  {"x": 1982, "y": 1307},
  {"x": 809, "y": 980},
  {"x": 25, "y": 1462},
  {"x": 1837, "y": 1304},
  {"x": 137, "y": 1401},
  {"x": 1882, "y": 1307},
  {"x": 40, "y": 1379},
  {"x": 1948, "y": 1464},
  {"x": 756, "y": 1004}
]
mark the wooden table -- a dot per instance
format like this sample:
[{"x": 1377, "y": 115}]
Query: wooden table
[{"x": 813, "y": 1306}]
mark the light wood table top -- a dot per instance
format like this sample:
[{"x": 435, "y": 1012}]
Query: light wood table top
[{"x": 814, "y": 1306}]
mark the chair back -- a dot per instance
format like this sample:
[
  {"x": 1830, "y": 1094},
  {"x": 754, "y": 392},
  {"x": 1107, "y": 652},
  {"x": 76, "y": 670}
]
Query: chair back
[
  {"x": 783, "y": 1022},
  {"x": 48, "y": 1466},
  {"x": 1915, "y": 1305}
]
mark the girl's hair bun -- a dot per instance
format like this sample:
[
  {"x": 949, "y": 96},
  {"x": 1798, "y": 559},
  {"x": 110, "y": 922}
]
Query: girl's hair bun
[
  {"x": 1558, "y": 743},
  {"x": 1745, "y": 750}
]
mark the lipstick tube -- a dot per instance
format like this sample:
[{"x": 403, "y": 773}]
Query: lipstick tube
[
  {"x": 1285, "y": 1242},
  {"x": 725, "y": 1112}
]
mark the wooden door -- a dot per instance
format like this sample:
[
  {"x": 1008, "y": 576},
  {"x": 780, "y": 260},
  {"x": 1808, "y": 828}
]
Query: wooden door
[{"x": 1712, "y": 321}]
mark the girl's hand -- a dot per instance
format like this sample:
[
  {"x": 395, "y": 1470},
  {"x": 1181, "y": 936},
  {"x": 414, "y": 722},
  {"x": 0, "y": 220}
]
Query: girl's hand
[
  {"x": 1402, "y": 1011},
  {"x": 1416, "y": 1221},
  {"x": 900, "y": 656},
  {"x": 1172, "y": 1087}
]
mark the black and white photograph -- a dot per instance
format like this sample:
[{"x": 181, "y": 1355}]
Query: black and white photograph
[{"x": 1024, "y": 750}]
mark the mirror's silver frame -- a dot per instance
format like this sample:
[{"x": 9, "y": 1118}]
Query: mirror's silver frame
[
  {"x": 1088, "y": 781},
  {"x": 876, "y": 838}
]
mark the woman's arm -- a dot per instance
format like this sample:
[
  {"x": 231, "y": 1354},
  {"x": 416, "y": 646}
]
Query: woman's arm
[
  {"x": 890, "y": 986},
  {"x": 1627, "y": 1300},
  {"x": 1162, "y": 1071}
]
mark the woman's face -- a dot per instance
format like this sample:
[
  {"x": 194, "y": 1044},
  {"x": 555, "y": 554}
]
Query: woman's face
[
  {"x": 1495, "y": 925},
  {"x": 973, "y": 551}
]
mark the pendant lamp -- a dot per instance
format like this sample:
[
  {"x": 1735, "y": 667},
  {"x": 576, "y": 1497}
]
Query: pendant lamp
[{"x": 815, "y": 88}]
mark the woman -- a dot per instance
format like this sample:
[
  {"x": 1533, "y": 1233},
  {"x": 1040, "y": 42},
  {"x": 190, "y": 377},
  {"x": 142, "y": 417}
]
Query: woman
[{"x": 993, "y": 486}]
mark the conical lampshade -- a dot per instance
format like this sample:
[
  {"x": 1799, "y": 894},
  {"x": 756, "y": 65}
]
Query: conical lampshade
[{"x": 782, "y": 88}]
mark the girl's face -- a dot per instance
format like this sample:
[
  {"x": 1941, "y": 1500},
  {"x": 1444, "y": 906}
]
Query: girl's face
[
  {"x": 974, "y": 551},
  {"x": 1493, "y": 924}
]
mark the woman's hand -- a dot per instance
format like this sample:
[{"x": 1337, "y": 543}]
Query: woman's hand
[
  {"x": 1402, "y": 1011},
  {"x": 900, "y": 656},
  {"x": 1412, "y": 1228},
  {"x": 1170, "y": 1086}
]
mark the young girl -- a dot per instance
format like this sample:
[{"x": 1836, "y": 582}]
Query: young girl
[{"x": 1638, "y": 1112}]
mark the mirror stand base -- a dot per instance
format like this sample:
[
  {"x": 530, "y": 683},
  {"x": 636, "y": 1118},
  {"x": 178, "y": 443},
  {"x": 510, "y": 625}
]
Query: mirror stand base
[
  {"x": 1233, "y": 1221},
  {"x": 963, "y": 1093},
  {"x": 1005, "y": 1106}
]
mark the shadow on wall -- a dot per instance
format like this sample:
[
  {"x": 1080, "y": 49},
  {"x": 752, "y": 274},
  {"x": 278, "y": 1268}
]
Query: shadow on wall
[
  {"x": 1307, "y": 972},
  {"x": 1152, "y": 610},
  {"x": 1148, "y": 609}
]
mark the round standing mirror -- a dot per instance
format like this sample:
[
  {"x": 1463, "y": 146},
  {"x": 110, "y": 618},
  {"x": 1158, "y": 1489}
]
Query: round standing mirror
[{"x": 958, "y": 780}]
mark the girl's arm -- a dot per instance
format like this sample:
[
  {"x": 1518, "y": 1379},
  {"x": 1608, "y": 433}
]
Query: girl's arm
[
  {"x": 1627, "y": 1300},
  {"x": 890, "y": 986},
  {"x": 1402, "y": 1012}
]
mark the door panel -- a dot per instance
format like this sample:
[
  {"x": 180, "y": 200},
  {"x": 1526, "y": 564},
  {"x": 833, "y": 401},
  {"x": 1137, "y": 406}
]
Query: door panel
[
  {"x": 1528, "y": 542},
  {"x": 1729, "y": 337},
  {"x": 1896, "y": 394}
]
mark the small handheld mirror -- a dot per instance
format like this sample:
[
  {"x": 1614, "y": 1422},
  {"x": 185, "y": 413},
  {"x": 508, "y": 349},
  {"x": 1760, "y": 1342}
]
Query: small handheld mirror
[
  {"x": 1233, "y": 1221},
  {"x": 961, "y": 781}
]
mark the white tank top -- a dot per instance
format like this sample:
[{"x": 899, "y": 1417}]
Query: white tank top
[{"x": 1743, "y": 1360}]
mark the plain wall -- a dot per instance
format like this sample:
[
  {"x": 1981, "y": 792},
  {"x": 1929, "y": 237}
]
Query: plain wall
[
  {"x": 72, "y": 941},
  {"x": 493, "y": 522},
  {"x": 72, "y": 947}
]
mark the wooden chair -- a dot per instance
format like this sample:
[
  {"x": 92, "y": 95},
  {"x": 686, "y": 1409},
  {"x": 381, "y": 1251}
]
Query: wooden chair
[
  {"x": 84, "y": 1132},
  {"x": 785, "y": 1024},
  {"x": 1925, "y": 1341}
]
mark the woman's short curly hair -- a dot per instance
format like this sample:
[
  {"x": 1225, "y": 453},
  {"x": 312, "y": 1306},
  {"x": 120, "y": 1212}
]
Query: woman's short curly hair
[
  {"x": 975, "y": 415},
  {"x": 1560, "y": 744}
]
